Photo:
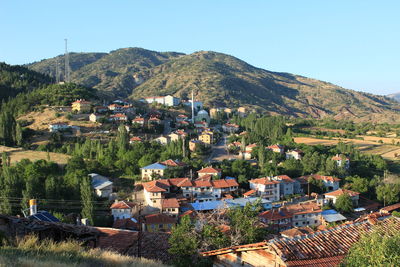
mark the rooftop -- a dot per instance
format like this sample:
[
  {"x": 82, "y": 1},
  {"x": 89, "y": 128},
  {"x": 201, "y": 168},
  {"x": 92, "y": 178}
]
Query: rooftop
[
  {"x": 155, "y": 166},
  {"x": 340, "y": 192}
]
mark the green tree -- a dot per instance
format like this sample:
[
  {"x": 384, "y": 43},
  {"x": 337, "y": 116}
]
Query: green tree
[
  {"x": 388, "y": 193},
  {"x": 381, "y": 247},
  {"x": 183, "y": 242},
  {"x": 344, "y": 203},
  {"x": 87, "y": 199}
]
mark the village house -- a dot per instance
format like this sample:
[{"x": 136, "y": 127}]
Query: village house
[
  {"x": 168, "y": 100},
  {"x": 330, "y": 183},
  {"x": 58, "y": 127},
  {"x": 182, "y": 124},
  {"x": 170, "y": 207},
  {"x": 246, "y": 154},
  {"x": 341, "y": 161},
  {"x": 118, "y": 117},
  {"x": 81, "y": 106},
  {"x": 277, "y": 219},
  {"x": 154, "y": 121},
  {"x": 277, "y": 148},
  {"x": 207, "y": 137},
  {"x": 305, "y": 213},
  {"x": 102, "y": 185},
  {"x": 153, "y": 171},
  {"x": 266, "y": 188},
  {"x": 123, "y": 210},
  {"x": 138, "y": 120},
  {"x": 200, "y": 125},
  {"x": 205, "y": 189},
  {"x": 230, "y": 128},
  {"x": 241, "y": 111},
  {"x": 193, "y": 144},
  {"x": 178, "y": 134},
  {"x": 158, "y": 223},
  {"x": 334, "y": 195},
  {"x": 209, "y": 171},
  {"x": 95, "y": 117},
  {"x": 135, "y": 139},
  {"x": 286, "y": 184},
  {"x": 296, "y": 231},
  {"x": 294, "y": 154},
  {"x": 162, "y": 140}
]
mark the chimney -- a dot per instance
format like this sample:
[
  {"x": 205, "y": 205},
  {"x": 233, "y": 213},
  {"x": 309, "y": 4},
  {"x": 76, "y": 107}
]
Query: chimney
[{"x": 32, "y": 206}]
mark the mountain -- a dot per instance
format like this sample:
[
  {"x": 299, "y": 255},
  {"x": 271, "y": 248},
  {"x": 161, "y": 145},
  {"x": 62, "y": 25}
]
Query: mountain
[
  {"x": 109, "y": 72},
  {"x": 17, "y": 79},
  {"x": 395, "y": 96},
  {"x": 223, "y": 80}
]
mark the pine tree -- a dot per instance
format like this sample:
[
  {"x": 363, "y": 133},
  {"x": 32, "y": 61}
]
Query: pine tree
[{"x": 87, "y": 200}]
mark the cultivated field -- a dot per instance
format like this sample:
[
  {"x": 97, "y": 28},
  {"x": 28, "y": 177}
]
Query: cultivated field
[
  {"x": 17, "y": 154},
  {"x": 369, "y": 145}
]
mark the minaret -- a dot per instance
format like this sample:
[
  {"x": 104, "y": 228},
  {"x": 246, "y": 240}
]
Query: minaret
[{"x": 192, "y": 107}]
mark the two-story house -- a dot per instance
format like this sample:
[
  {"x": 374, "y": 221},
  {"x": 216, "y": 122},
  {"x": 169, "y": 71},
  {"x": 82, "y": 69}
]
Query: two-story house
[
  {"x": 123, "y": 210},
  {"x": 266, "y": 188},
  {"x": 277, "y": 148},
  {"x": 294, "y": 154},
  {"x": 330, "y": 183},
  {"x": 341, "y": 161},
  {"x": 153, "y": 171},
  {"x": 305, "y": 214},
  {"x": 286, "y": 184},
  {"x": 334, "y": 195},
  {"x": 210, "y": 171}
]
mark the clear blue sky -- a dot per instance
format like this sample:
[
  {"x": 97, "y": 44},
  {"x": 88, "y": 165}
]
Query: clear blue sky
[{"x": 352, "y": 43}]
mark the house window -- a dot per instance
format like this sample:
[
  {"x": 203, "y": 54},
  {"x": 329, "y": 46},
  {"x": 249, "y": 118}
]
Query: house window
[
  {"x": 315, "y": 221},
  {"x": 304, "y": 222},
  {"x": 154, "y": 201},
  {"x": 160, "y": 226},
  {"x": 296, "y": 223}
]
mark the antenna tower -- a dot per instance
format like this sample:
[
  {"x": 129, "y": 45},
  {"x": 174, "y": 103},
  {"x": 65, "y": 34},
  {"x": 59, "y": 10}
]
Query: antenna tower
[
  {"x": 67, "y": 69},
  {"x": 57, "y": 71}
]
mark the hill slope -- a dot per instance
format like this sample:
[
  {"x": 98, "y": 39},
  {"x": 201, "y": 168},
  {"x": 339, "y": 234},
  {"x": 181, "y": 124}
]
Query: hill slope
[
  {"x": 395, "y": 96},
  {"x": 110, "y": 72},
  {"x": 223, "y": 80},
  {"x": 18, "y": 79}
]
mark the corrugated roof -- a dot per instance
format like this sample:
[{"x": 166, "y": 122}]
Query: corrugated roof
[{"x": 155, "y": 166}]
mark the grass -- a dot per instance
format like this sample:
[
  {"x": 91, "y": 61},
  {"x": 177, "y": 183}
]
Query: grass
[
  {"x": 17, "y": 154},
  {"x": 370, "y": 145},
  {"x": 31, "y": 252}
]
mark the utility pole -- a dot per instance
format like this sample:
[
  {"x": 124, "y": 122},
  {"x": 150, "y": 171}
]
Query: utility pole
[{"x": 67, "y": 74}]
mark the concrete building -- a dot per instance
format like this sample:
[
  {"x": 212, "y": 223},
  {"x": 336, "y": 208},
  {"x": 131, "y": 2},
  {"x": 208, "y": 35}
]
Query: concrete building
[
  {"x": 266, "y": 188},
  {"x": 81, "y": 106}
]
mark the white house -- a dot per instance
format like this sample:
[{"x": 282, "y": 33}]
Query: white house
[
  {"x": 266, "y": 188},
  {"x": 230, "y": 128},
  {"x": 294, "y": 154},
  {"x": 277, "y": 148},
  {"x": 334, "y": 195},
  {"x": 162, "y": 140},
  {"x": 102, "y": 185},
  {"x": 164, "y": 100},
  {"x": 331, "y": 183},
  {"x": 342, "y": 160},
  {"x": 209, "y": 171},
  {"x": 123, "y": 210},
  {"x": 205, "y": 189},
  {"x": 94, "y": 117}
]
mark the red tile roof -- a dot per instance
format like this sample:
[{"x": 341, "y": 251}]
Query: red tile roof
[
  {"x": 323, "y": 248},
  {"x": 321, "y": 177},
  {"x": 276, "y": 214},
  {"x": 173, "y": 163},
  {"x": 159, "y": 219},
  {"x": 249, "y": 193},
  {"x": 391, "y": 207},
  {"x": 155, "y": 186},
  {"x": 264, "y": 181},
  {"x": 127, "y": 223},
  {"x": 136, "y": 138},
  {"x": 285, "y": 178},
  {"x": 304, "y": 208},
  {"x": 297, "y": 231},
  {"x": 209, "y": 170},
  {"x": 340, "y": 192},
  {"x": 169, "y": 203},
  {"x": 123, "y": 205}
]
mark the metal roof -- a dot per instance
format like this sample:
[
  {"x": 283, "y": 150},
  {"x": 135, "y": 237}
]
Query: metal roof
[{"x": 155, "y": 166}]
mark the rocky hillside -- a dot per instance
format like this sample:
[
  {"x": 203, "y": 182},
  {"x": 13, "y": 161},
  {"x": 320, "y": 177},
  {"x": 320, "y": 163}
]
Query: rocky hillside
[
  {"x": 395, "y": 96},
  {"x": 223, "y": 80}
]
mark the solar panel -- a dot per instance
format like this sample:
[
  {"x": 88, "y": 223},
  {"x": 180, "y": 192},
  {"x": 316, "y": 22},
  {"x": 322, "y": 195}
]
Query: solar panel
[{"x": 44, "y": 216}]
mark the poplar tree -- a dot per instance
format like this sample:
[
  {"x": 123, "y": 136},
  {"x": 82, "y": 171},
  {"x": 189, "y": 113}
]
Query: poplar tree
[{"x": 87, "y": 200}]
